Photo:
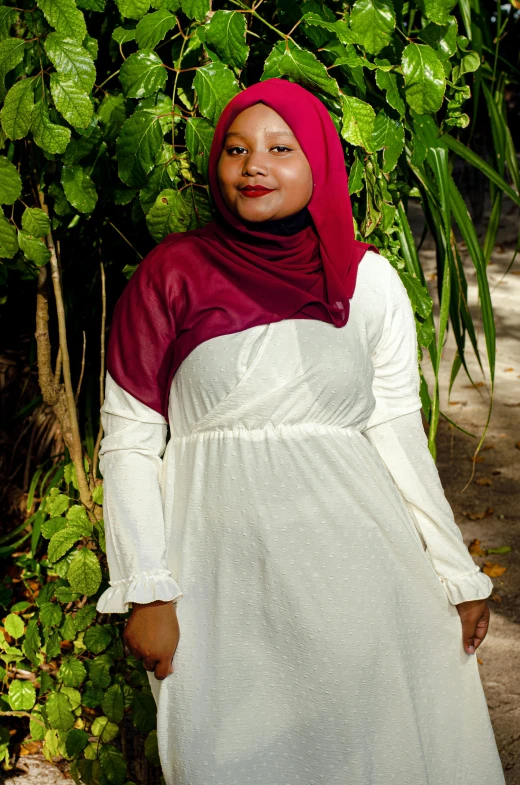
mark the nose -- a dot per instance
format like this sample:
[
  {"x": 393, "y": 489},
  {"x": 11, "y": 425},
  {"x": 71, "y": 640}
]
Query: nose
[{"x": 254, "y": 164}]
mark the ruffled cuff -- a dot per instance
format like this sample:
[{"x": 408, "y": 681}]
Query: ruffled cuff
[
  {"x": 472, "y": 586},
  {"x": 143, "y": 588}
]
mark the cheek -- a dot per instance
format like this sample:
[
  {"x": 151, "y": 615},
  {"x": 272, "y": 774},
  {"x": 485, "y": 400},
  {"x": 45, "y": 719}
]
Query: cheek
[{"x": 297, "y": 180}]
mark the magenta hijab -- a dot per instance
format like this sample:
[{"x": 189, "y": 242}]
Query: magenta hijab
[{"x": 227, "y": 277}]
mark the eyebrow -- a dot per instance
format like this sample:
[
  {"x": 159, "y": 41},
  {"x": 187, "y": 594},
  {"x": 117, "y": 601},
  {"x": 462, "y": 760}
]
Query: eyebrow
[{"x": 269, "y": 133}]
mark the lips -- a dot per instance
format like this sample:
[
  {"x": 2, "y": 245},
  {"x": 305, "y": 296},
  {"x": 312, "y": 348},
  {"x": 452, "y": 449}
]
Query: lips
[{"x": 253, "y": 191}]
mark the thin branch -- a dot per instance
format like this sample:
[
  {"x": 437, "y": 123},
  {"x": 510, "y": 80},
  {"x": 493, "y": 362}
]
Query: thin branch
[
  {"x": 95, "y": 456},
  {"x": 57, "y": 372},
  {"x": 76, "y": 397},
  {"x": 125, "y": 239}
]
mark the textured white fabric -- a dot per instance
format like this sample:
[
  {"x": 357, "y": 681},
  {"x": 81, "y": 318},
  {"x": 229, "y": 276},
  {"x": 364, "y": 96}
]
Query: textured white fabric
[{"x": 318, "y": 644}]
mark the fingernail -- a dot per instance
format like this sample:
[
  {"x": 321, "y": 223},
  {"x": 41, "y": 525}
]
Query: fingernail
[{"x": 471, "y": 649}]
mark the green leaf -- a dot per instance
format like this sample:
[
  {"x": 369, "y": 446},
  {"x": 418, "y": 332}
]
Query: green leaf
[
  {"x": 50, "y": 137},
  {"x": 14, "y": 625},
  {"x": 442, "y": 38},
  {"x": 62, "y": 542},
  {"x": 50, "y": 614},
  {"x": 142, "y": 74},
  {"x": 32, "y": 635},
  {"x": 388, "y": 135},
  {"x": 215, "y": 86},
  {"x": 151, "y": 749},
  {"x": 99, "y": 671},
  {"x": 79, "y": 188},
  {"x": 137, "y": 145},
  {"x": 84, "y": 573},
  {"x": 469, "y": 63},
  {"x": 388, "y": 82},
  {"x": 7, "y": 19},
  {"x": 8, "y": 240},
  {"x": 65, "y": 17},
  {"x": 301, "y": 66},
  {"x": 76, "y": 742},
  {"x": 199, "y": 135},
  {"x": 64, "y": 593},
  {"x": 113, "y": 703},
  {"x": 355, "y": 176},
  {"x": 339, "y": 28},
  {"x": 17, "y": 109},
  {"x": 74, "y": 104},
  {"x": 113, "y": 764},
  {"x": 104, "y": 729},
  {"x": 170, "y": 213},
  {"x": 133, "y": 9},
  {"x": 144, "y": 712},
  {"x": 33, "y": 248},
  {"x": 71, "y": 60},
  {"x": 53, "y": 525},
  {"x": 84, "y": 617},
  {"x": 10, "y": 182},
  {"x": 77, "y": 516},
  {"x": 59, "y": 712},
  {"x": 73, "y": 695},
  {"x": 122, "y": 35},
  {"x": 358, "y": 122},
  {"x": 22, "y": 695},
  {"x": 226, "y": 35},
  {"x": 36, "y": 222},
  {"x": 72, "y": 672},
  {"x": 11, "y": 55},
  {"x": 152, "y": 28},
  {"x": 97, "y": 638},
  {"x": 196, "y": 9},
  {"x": 424, "y": 78},
  {"x": 36, "y": 730},
  {"x": 372, "y": 22},
  {"x": 92, "y": 696},
  {"x": 437, "y": 10}
]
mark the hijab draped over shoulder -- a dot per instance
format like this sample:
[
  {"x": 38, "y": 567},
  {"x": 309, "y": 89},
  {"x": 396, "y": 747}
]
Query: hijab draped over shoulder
[{"x": 227, "y": 277}]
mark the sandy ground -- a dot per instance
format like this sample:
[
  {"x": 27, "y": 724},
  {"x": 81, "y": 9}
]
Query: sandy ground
[{"x": 494, "y": 492}]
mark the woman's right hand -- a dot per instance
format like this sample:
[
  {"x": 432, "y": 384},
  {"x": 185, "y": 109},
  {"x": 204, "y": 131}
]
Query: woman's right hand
[{"x": 152, "y": 635}]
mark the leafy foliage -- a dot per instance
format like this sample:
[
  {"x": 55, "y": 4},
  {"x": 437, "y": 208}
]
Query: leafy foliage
[{"x": 109, "y": 108}]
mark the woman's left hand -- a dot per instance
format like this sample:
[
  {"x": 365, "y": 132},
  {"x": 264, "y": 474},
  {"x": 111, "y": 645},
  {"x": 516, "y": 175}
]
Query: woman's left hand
[{"x": 474, "y": 616}]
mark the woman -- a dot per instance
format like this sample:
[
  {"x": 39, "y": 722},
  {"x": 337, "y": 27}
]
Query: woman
[{"x": 290, "y": 543}]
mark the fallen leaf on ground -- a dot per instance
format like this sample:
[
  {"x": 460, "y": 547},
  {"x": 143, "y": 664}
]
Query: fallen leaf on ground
[
  {"x": 481, "y": 662},
  {"x": 475, "y": 549},
  {"x": 510, "y": 404},
  {"x": 478, "y": 458},
  {"x": 30, "y": 747},
  {"x": 502, "y": 549},
  {"x": 496, "y": 472},
  {"x": 487, "y": 447},
  {"x": 496, "y": 598},
  {"x": 484, "y": 481},
  {"x": 507, "y": 370},
  {"x": 493, "y": 569},
  {"x": 478, "y": 516},
  {"x": 477, "y": 384}
]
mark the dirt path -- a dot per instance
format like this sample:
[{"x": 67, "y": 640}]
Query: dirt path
[{"x": 494, "y": 492}]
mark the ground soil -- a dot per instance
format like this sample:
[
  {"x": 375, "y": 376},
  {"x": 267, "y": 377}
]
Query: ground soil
[{"x": 488, "y": 509}]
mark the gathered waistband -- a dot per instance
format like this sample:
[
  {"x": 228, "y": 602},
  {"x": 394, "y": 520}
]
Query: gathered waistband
[{"x": 268, "y": 431}]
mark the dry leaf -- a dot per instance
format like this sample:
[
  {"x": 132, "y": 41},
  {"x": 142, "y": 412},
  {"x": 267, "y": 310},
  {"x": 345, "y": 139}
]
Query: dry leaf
[
  {"x": 478, "y": 516},
  {"x": 477, "y": 384},
  {"x": 493, "y": 569},
  {"x": 484, "y": 481},
  {"x": 478, "y": 458},
  {"x": 496, "y": 598},
  {"x": 510, "y": 404},
  {"x": 456, "y": 403},
  {"x": 487, "y": 447},
  {"x": 481, "y": 662},
  {"x": 507, "y": 370},
  {"x": 496, "y": 472},
  {"x": 30, "y": 747},
  {"x": 475, "y": 549}
]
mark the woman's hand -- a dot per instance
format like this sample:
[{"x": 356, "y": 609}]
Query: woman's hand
[
  {"x": 474, "y": 616},
  {"x": 152, "y": 635}
]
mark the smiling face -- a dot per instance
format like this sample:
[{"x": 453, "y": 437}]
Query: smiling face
[{"x": 262, "y": 172}]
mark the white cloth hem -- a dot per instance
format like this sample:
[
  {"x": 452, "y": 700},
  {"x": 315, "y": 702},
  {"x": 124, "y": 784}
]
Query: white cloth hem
[
  {"x": 142, "y": 588},
  {"x": 473, "y": 586}
]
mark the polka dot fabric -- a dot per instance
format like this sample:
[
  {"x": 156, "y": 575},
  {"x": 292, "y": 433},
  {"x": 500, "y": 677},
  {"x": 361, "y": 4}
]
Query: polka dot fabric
[{"x": 319, "y": 644}]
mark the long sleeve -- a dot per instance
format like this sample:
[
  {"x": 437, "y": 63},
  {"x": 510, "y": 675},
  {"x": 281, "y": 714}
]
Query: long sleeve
[
  {"x": 396, "y": 431},
  {"x": 131, "y": 462},
  {"x": 403, "y": 446}
]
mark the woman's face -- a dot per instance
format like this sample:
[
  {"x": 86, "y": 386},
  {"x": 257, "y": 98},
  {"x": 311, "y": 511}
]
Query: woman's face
[{"x": 262, "y": 172}]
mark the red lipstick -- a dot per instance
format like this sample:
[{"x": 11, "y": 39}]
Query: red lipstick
[{"x": 252, "y": 191}]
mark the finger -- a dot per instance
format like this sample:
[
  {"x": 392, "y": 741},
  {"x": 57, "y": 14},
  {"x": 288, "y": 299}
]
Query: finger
[
  {"x": 163, "y": 668},
  {"x": 468, "y": 635},
  {"x": 481, "y": 631},
  {"x": 149, "y": 663}
]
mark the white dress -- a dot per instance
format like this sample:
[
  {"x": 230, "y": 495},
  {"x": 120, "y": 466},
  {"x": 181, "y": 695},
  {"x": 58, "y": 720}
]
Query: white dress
[{"x": 288, "y": 514}]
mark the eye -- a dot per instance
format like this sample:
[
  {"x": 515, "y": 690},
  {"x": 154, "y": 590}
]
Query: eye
[
  {"x": 281, "y": 148},
  {"x": 235, "y": 150}
]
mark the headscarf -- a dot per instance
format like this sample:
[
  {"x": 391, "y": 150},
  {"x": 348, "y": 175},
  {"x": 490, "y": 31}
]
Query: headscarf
[{"x": 227, "y": 276}]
